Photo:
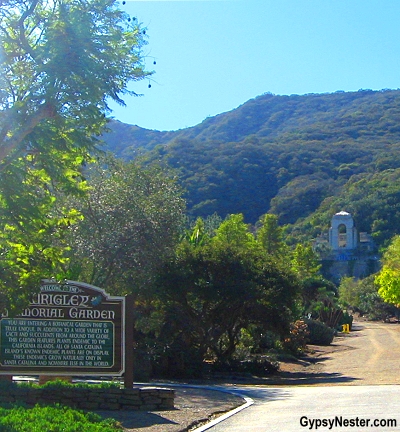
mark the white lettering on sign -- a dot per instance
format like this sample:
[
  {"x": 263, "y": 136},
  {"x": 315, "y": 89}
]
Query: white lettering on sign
[
  {"x": 76, "y": 300},
  {"x": 48, "y": 343},
  {"x": 91, "y": 314}
]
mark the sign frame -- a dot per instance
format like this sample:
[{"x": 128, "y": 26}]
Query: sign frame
[{"x": 66, "y": 310}]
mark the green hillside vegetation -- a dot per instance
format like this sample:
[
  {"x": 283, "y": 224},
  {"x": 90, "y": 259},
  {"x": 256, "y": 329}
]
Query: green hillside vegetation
[{"x": 302, "y": 158}]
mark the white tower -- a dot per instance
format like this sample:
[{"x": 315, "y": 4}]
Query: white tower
[{"x": 342, "y": 234}]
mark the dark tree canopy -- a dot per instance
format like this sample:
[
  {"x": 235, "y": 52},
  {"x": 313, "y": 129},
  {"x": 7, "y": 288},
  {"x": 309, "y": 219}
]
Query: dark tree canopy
[
  {"x": 132, "y": 221},
  {"x": 210, "y": 292}
]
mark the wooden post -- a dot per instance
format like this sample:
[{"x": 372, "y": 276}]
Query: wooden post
[
  {"x": 7, "y": 378},
  {"x": 128, "y": 377}
]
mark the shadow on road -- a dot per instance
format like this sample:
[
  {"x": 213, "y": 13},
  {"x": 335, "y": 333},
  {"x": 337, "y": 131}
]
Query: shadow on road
[
  {"x": 266, "y": 394},
  {"x": 138, "y": 419},
  {"x": 306, "y": 378}
]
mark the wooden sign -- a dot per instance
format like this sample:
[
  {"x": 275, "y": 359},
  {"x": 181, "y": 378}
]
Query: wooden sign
[{"x": 69, "y": 328}]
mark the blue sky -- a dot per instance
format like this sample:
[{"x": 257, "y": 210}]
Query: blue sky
[{"x": 214, "y": 55}]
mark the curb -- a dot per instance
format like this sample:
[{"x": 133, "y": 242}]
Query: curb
[{"x": 248, "y": 402}]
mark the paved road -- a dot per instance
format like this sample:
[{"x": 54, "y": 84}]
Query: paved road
[
  {"x": 292, "y": 409},
  {"x": 348, "y": 387}
]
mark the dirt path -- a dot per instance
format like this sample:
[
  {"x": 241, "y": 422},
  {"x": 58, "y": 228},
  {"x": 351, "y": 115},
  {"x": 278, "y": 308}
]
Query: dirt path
[{"x": 370, "y": 354}]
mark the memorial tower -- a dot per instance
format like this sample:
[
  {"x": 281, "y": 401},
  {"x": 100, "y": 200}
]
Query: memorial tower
[{"x": 343, "y": 234}]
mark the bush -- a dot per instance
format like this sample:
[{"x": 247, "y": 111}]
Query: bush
[
  {"x": 59, "y": 383},
  {"x": 346, "y": 319},
  {"x": 320, "y": 333},
  {"x": 372, "y": 305},
  {"x": 268, "y": 340},
  {"x": 178, "y": 361},
  {"x": 297, "y": 340},
  {"x": 53, "y": 419},
  {"x": 259, "y": 365}
]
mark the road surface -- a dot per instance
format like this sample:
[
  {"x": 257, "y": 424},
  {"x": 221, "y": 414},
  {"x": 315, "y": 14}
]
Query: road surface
[
  {"x": 294, "y": 409},
  {"x": 355, "y": 389}
]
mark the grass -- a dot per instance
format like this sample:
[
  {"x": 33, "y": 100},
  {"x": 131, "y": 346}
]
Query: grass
[{"x": 53, "y": 419}]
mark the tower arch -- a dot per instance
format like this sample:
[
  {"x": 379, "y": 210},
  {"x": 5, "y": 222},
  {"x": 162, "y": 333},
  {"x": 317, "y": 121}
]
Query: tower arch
[{"x": 343, "y": 234}]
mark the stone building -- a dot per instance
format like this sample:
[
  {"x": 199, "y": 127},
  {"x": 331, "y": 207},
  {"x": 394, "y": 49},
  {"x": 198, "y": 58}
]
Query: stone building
[
  {"x": 344, "y": 251},
  {"x": 342, "y": 233}
]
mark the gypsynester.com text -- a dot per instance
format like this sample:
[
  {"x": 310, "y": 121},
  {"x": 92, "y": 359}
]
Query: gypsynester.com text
[{"x": 341, "y": 422}]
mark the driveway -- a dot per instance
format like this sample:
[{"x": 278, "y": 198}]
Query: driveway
[
  {"x": 344, "y": 380},
  {"x": 296, "y": 409},
  {"x": 350, "y": 385}
]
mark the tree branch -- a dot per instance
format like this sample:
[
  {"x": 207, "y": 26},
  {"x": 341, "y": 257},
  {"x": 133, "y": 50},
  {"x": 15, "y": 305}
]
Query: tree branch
[
  {"x": 24, "y": 41},
  {"x": 8, "y": 146}
]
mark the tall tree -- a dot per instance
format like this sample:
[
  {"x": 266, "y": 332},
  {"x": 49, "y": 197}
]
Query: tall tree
[
  {"x": 210, "y": 291},
  {"x": 305, "y": 262},
  {"x": 233, "y": 232},
  {"x": 61, "y": 61},
  {"x": 270, "y": 235},
  {"x": 132, "y": 221}
]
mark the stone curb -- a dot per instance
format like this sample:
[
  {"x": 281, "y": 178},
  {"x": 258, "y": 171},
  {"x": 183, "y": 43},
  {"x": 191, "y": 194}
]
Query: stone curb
[{"x": 248, "y": 402}]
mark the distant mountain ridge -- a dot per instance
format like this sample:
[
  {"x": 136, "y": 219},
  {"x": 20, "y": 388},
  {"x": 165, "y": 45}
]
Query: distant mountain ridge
[
  {"x": 266, "y": 116},
  {"x": 296, "y": 156}
]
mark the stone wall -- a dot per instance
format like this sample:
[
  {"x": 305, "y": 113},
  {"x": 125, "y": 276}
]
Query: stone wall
[
  {"x": 359, "y": 269},
  {"x": 145, "y": 399}
]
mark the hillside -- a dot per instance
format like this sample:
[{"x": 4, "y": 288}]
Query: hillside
[{"x": 300, "y": 157}]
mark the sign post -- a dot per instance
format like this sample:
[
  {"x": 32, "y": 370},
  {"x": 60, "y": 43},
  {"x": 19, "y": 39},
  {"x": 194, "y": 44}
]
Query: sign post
[
  {"x": 69, "y": 328},
  {"x": 128, "y": 377}
]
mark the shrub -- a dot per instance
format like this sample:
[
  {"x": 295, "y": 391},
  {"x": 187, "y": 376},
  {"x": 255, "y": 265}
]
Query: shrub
[
  {"x": 53, "y": 419},
  {"x": 297, "y": 340},
  {"x": 268, "y": 340},
  {"x": 346, "y": 319},
  {"x": 178, "y": 361},
  {"x": 59, "y": 383},
  {"x": 320, "y": 333},
  {"x": 259, "y": 365}
]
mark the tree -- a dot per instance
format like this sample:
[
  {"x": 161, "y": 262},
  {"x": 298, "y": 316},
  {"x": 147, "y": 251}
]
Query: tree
[
  {"x": 60, "y": 64},
  {"x": 32, "y": 240},
  {"x": 132, "y": 221},
  {"x": 388, "y": 279},
  {"x": 349, "y": 292},
  {"x": 197, "y": 235},
  {"x": 325, "y": 308},
  {"x": 305, "y": 262},
  {"x": 210, "y": 293},
  {"x": 389, "y": 285},
  {"x": 314, "y": 290},
  {"x": 362, "y": 296},
  {"x": 371, "y": 303},
  {"x": 270, "y": 235},
  {"x": 233, "y": 232}
]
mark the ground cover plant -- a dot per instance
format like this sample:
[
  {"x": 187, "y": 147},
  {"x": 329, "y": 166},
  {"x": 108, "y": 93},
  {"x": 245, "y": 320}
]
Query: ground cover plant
[
  {"x": 53, "y": 419},
  {"x": 59, "y": 383}
]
